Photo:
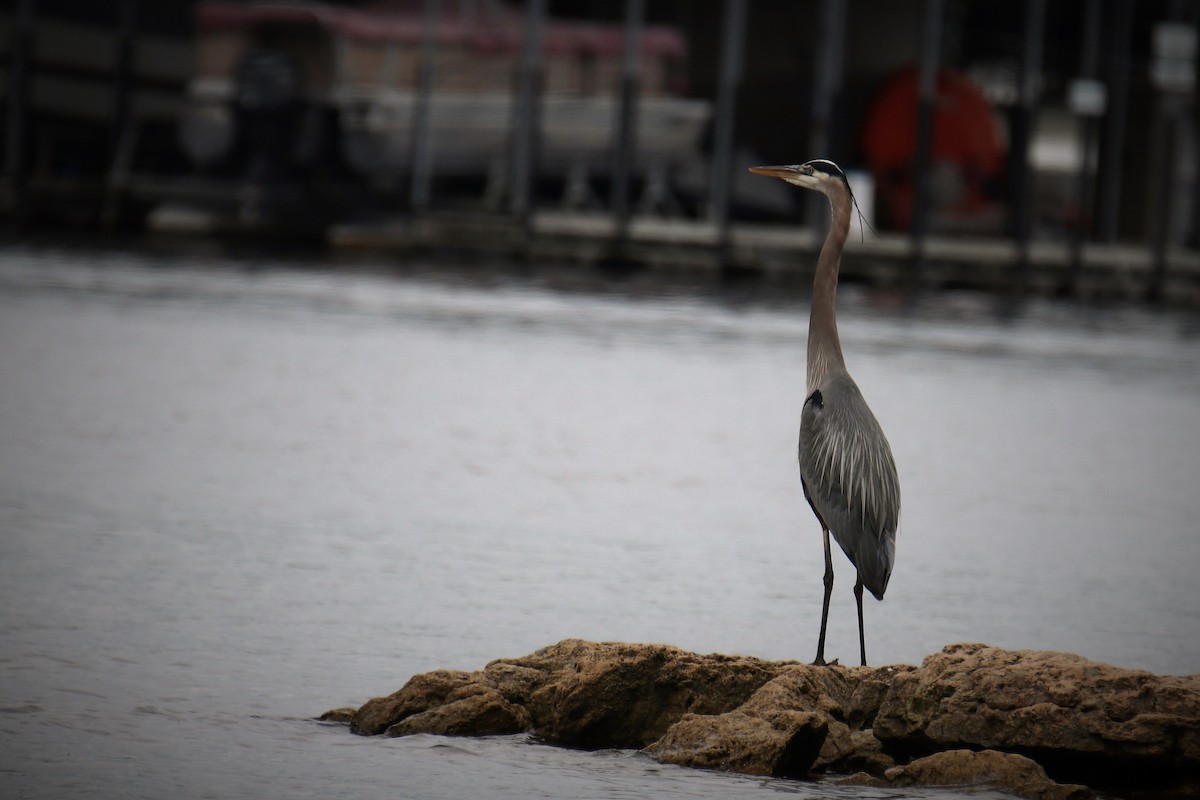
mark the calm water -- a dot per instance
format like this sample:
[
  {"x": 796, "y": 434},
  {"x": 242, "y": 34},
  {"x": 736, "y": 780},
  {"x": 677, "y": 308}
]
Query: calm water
[{"x": 232, "y": 498}]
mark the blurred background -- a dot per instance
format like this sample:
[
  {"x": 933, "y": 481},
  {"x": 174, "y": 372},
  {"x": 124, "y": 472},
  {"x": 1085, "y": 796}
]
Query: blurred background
[{"x": 1044, "y": 145}]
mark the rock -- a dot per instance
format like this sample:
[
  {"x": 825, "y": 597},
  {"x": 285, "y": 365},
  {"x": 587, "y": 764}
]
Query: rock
[
  {"x": 338, "y": 716},
  {"x": 446, "y": 702},
  {"x": 574, "y": 693},
  {"x": 422, "y": 693},
  {"x": 1075, "y": 717},
  {"x": 784, "y": 744},
  {"x": 990, "y": 769},
  {"x": 783, "y": 729},
  {"x": 622, "y": 695},
  {"x": 850, "y": 744},
  {"x": 778, "y": 730},
  {"x": 472, "y": 711},
  {"x": 847, "y": 750},
  {"x": 1079, "y": 720},
  {"x": 869, "y": 692}
]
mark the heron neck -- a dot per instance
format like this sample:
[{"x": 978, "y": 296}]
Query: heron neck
[{"x": 824, "y": 346}]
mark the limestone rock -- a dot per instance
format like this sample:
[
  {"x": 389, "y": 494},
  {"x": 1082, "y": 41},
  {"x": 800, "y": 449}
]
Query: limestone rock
[
  {"x": 847, "y": 750},
  {"x": 422, "y": 693},
  {"x": 1070, "y": 714},
  {"x": 1079, "y": 720},
  {"x": 623, "y": 695},
  {"x": 989, "y": 769},
  {"x": 574, "y": 693},
  {"x": 779, "y": 730},
  {"x": 785, "y": 744},
  {"x": 474, "y": 711},
  {"x": 850, "y": 744},
  {"x": 338, "y": 716}
]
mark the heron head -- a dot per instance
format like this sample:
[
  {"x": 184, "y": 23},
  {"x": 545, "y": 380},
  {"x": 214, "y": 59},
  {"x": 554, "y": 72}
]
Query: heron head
[{"x": 818, "y": 174}]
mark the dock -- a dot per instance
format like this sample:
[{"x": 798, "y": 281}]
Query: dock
[{"x": 780, "y": 252}]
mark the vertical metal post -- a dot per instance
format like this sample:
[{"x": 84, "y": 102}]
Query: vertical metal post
[
  {"x": 1165, "y": 206},
  {"x": 421, "y": 173},
  {"x": 1171, "y": 106},
  {"x": 525, "y": 127},
  {"x": 122, "y": 76},
  {"x": 831, "y": 47},
  {"x": 931, "y": 39},
  {"x": 20, "y": 61},
  {"x": 121, "y": 129},
  {"x": 1088, "y": 63},
  {"x": 1028, "y": 89},
  {"x": 728, "y": 80},
  {"x": 625, "y": 133},
  {"x": 1113, "y": 151}
]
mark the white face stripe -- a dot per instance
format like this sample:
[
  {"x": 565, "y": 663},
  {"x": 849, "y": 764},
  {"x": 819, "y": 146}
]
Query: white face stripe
[{"x": 828, "y": 167}]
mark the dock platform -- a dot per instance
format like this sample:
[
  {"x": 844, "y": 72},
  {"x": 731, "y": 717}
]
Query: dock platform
[{"x": 788, "y": 253}]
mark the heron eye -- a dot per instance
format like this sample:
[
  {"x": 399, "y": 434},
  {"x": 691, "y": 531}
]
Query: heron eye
[{"x": 816, "y": 399}]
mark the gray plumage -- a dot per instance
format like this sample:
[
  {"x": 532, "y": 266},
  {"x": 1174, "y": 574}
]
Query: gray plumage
[
  {"x": 846, "y": 465},
  {"x": 849, "y": 477}
]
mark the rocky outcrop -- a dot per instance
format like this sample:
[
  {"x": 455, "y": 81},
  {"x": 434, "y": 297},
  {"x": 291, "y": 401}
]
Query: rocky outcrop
[
  {"x": 969, "y": 715},
  {"x": 1072, "y": 715},
  {"x": 574, "y": 693}
]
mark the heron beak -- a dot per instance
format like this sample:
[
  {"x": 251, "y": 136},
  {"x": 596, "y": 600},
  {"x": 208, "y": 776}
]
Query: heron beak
[{"x": 783, "y": 172}]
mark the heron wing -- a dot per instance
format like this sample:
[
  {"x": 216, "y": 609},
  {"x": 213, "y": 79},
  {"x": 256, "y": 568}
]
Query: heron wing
[{"x": 850, "y": 477}]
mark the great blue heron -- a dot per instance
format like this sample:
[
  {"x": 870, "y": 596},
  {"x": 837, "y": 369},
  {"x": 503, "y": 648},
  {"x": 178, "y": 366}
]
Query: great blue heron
[{"x": 846, "y": 465}]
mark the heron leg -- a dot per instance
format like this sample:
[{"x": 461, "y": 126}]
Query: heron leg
[
  {"x": 820, "y": 660},
  {"x": 862, "y": 640}
]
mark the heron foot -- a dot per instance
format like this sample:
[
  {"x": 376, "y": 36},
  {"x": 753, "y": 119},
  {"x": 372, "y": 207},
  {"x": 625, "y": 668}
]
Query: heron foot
[{"x": 820, "y": 662}]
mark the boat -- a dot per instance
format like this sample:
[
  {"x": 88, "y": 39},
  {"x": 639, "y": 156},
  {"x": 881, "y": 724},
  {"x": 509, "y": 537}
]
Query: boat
[{"x": 287, "y": 92}]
